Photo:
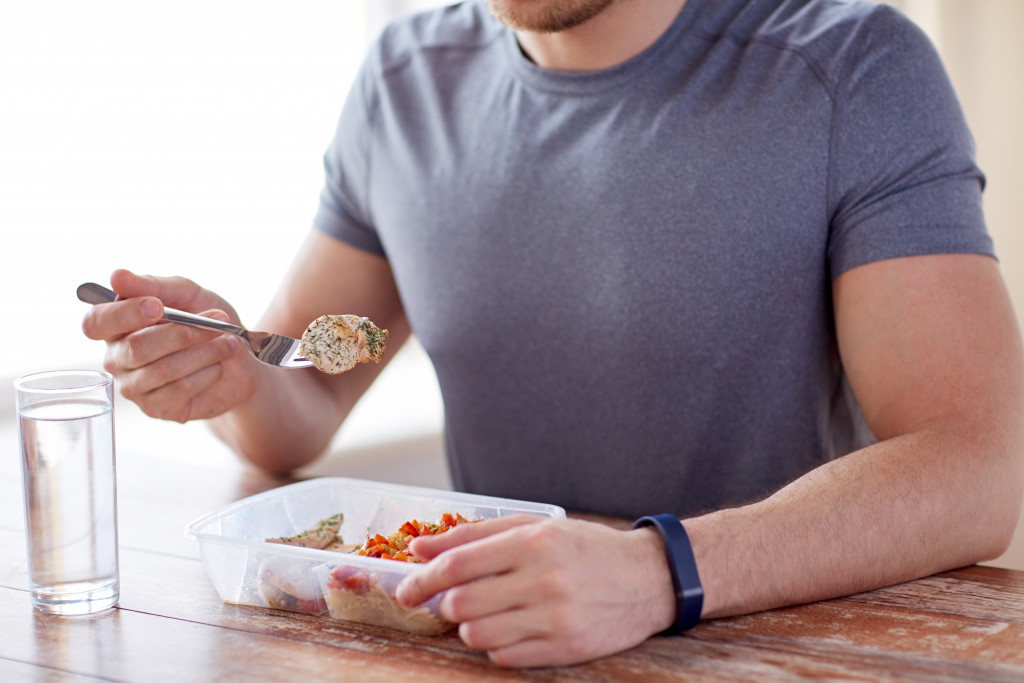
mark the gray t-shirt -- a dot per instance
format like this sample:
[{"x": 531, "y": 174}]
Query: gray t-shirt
[{"x": 623, "y": 278}]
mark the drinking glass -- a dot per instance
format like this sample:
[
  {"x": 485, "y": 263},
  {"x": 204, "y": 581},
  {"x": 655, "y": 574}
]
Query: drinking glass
[{"x": 66, "y": 431}]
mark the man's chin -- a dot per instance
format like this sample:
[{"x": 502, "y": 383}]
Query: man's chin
[{"x": 546, "y": 16}]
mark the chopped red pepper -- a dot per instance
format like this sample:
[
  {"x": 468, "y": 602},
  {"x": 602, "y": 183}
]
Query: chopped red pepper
[{"x": 396, "y": 547}]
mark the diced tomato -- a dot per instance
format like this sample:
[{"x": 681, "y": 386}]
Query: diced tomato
[
  {"x": 356, "y": 584},
  {"x": 395, "y": 547},
  {"x": 350, "y": 578}
]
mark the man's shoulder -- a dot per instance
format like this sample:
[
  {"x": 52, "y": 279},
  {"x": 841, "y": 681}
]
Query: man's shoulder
[
  {"x": 832, "y": 34},
  {"x": 803, "y": 22},
  {"x": 460, "y": 26}
]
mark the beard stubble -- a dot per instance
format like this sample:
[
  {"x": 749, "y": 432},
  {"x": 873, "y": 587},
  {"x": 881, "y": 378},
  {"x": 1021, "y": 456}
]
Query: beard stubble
[{"x": 546, "y": 16}]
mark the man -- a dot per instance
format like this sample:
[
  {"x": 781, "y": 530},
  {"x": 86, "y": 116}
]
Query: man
[{"x": 720, "y": 258}]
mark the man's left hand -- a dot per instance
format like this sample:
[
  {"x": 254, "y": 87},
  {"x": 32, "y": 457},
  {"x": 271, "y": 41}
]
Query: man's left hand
[{"x": 542, "y": 592}]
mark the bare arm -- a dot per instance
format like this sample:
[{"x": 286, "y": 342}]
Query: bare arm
[
  {"x": 933, "y": 353},
  {"x": 293, "y": 414}
]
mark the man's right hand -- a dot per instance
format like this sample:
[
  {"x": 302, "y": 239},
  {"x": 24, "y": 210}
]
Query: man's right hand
[
  {"x": 173, "y": 372},
  {"x": 275, "y": 419}
]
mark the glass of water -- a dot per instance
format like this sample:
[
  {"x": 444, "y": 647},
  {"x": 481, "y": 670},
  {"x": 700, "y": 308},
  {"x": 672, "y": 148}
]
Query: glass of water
[{"x": 66, "y": 429}]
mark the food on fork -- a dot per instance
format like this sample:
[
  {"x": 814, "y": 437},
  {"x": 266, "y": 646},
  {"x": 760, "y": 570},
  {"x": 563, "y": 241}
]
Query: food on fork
[{"x": 336, "y": 343}]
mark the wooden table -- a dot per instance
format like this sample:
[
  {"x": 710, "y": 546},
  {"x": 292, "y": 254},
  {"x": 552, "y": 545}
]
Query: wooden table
[{"x": 966, "y": 625}]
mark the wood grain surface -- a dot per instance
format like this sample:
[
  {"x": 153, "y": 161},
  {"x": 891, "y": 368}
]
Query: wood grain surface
[{"x": 170, "y": 625}]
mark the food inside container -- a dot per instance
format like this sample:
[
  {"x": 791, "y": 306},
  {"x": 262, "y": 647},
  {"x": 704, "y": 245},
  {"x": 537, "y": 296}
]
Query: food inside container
[
  {"x": 244, "y": 551},
  {"x": 366, "y": 594},
  {"x": 282, "y": 583}
]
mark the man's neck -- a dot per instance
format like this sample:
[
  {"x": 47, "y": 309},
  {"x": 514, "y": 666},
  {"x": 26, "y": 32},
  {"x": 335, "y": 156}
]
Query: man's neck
[{"x": 619, "y": 33}]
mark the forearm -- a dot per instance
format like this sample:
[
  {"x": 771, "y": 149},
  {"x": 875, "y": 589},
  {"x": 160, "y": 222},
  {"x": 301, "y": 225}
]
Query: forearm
[
  {"x": 292, "y": 415},
  {"x": 907, "y": 507},
  {"x": 288, "y": 422}
]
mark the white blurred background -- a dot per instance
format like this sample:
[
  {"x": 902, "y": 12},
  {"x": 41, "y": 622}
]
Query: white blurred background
[
  {"x": 186, "y": 138},
  {"x": 173, "y": 137}
]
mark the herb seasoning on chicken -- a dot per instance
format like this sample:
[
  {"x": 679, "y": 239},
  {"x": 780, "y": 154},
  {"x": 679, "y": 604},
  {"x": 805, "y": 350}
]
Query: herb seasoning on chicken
[
  {"x": 336, "y": 343},
  {"x": 323, "y": 536}
]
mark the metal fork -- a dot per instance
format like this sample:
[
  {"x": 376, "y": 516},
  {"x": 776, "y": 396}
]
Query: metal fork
[{"x": 272, "y": 349}]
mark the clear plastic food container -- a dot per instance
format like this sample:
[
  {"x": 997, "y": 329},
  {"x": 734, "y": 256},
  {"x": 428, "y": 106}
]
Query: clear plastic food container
[{"x": 246, "y": 569}]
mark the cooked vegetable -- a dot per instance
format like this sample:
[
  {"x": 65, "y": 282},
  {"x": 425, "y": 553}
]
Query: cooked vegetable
[{"x": 395, "y": 546}]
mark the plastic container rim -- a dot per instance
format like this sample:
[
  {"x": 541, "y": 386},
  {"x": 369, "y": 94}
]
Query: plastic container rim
[{"x": 192, "y": 530}]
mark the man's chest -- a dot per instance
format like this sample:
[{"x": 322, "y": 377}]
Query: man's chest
[{"x": 528, "y": 209}]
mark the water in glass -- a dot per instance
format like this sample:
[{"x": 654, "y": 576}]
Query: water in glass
[{"x": 70, "y": 506}]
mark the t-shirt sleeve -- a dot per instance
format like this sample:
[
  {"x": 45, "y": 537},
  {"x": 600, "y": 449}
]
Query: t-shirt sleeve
[
  {"x": 344, "y": 211},
  {"x": 902, "y": 175}
]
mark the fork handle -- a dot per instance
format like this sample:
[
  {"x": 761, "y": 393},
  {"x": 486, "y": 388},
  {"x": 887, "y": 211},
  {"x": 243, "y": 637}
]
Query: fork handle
[{"x": 92, "y": 293}]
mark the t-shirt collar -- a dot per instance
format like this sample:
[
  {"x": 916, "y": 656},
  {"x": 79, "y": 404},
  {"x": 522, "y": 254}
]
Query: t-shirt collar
[{"x": 583, "y": 82}]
